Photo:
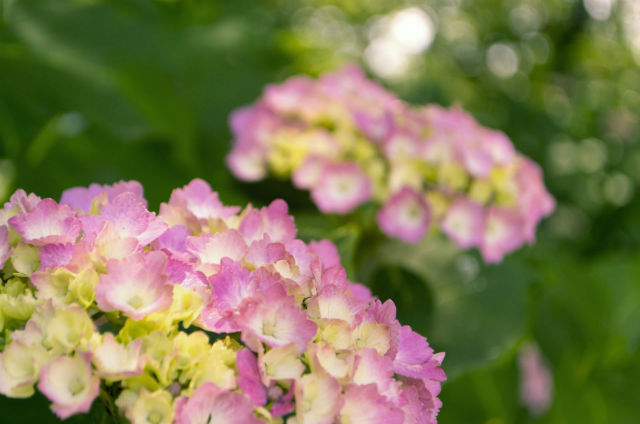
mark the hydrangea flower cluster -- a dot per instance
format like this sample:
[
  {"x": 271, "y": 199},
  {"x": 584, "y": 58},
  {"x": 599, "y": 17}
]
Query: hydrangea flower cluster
[
  {"x": 202, "y": 313},
  {"x": 348, "y": 140}
]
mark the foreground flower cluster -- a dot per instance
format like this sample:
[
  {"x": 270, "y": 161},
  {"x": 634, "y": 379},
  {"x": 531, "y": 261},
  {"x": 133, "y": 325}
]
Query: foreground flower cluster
[
  {"x": 202, "y": 313},
  {"x": 349, "y": 141}
]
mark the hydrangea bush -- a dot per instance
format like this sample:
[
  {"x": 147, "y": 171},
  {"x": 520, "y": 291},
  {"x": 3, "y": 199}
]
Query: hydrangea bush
[
  {"x": 349, "y": 141},
  {"x": 202, "y": 313}
]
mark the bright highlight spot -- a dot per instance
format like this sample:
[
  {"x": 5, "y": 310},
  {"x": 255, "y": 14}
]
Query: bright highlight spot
[
  {"x": 395, "y": 39},
  {"x": 599, "y": 9},
  {"x": 502, "y": 60},
  {"x": 412, "y": 29}
]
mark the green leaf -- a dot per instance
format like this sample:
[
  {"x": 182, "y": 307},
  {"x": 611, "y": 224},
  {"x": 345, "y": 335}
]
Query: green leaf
[
  {"x": 476, "y": 317},
  {"x": 410, "y": 293}
]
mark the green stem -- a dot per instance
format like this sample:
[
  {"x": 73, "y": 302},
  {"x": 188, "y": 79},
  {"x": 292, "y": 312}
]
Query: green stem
[{"x": 107, "y": 402}]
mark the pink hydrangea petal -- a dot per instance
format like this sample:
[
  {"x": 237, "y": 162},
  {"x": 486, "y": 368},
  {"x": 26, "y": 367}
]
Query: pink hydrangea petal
[
  {"x": 406, "y": 215},
  {"x": 503, "y": 232},
  {"x": 273, "y": 220},
  {"x": 421, "y": 398},
  {"x": 22, "y": 201},
  {"x": 136, "y": 285},
  {"x": 174, "y": 239},
  {"x": 54, "y": 255},
  {"x": 283, "y": 404},
  {"x": 209, "y": 403},
  {"x": 333, "y": 302},
  {"x": 5, "y": 247},
  {"x": 365, "y": 405},
  {"x": 65, "y": 401},
  {"x": 264, "y": 252},
  {"x": 321, "y": 396},
  {"x": 249, "y": 377},
  {"x": 275, "y": 319},
  {"x": 401, "y": 144},
  {"x": 198, "y": 198},
  {"x": 464, "y": 223},
  {"x": 415, "y": 358},
  {"x": 131, "y": 218},
  {"x": 288, "y": 97},
  {"x": 477, "y": 162},
  {"x": 308, "y": 174},
  {"x": 373, "y": 368},
  {"x": 210, "y": 249},
  {"x": 341, "y": 188},
  {"x": 232, "y": 284},
  {"x": 82, "y": 197},
  {"x": 247, "y": 164},
  {"x": 47, "y": 223},
  {"x": 326, "y": 251},
  {"x": 534, "y": 202},
  {"x": 498, "y": 145}
]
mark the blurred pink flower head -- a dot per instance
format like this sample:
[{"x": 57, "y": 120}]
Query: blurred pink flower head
[{"x": 349, "y": 141}]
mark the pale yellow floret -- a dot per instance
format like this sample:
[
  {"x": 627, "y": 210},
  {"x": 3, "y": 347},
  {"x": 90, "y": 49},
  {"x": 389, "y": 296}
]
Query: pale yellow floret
[
  {"x": 71, "y": 380},
  {"x": 331, "y": 308},
  {"x": 136, "y": 329},
  {"x": 97, "y": 203},
  {"x": 127, "y": 399},
  {"x": 404, "y": 173},
  {"x": 376, "y": 169},
  {"x": 70, "y": 327},
  {"x": 452, "y": 175},
  {"x": 145, "y": 380},
  {"x": 114, "y": 360},
  {"x": 317, "y": 396},
  {"x": 504, "y": 184},
  {"x": 335, "y": 332},
  {"x": 14, "y": 236},
  {"x": 218, "y": 366},
  {"x": 372, "y": 335},
  {"x": 286, "y": 269},
  {"x": 16, "y": 301},
  {"x": 43, "y": 313},
  {"x": 20, "y": 366},
  {"x": 66, "y": 287},
  {"x": 428, "y": 171},
  {"x": 192, "y": 348},
  {"x": 338, "y": 364},
  {"x": 347, "y": 139},
  {"x": 334, "y": 115},
  {"x": 282, "y": 363},
  {"x": 81, "y": 287},
  {"x": 481, "y": 191},
  {"x": 217, "y": 225},
  {"x": 161, "y": 353},
  {"x": 288, "y": 151},
  {"x": 362, "y": 150},
  {"x": 151, "y": 408},
  {"x": 317, "y": 143},
  {"x": 56, "y": 286},
  {"x": 25, "y": 259},
  {"x": 438, "y": 203},
  {"x": 185, "y": 307}
]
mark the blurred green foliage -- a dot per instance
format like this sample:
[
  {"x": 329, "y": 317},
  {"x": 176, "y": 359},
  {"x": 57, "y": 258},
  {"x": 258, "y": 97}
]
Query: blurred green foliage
[{"x": 95, "y": 91}]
